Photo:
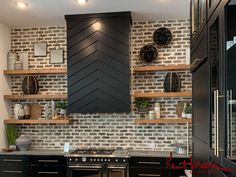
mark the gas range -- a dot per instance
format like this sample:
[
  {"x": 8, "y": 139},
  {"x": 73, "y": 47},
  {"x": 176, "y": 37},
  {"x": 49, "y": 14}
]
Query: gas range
[{"x": 102, "y": 162}]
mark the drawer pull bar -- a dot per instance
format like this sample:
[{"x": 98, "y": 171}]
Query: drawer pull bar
[
  {"x": 151, "y": 163},
  {"x": 116, "y": 167},
  {"x": 12, "y": 171},
  {"x": 156, "y": 175},
  {"x": 85, "y": 167},
  {"x": 12, "y": 160},
  {"x": 48, "y": 161},
  {"x": 46, "y": 172}
]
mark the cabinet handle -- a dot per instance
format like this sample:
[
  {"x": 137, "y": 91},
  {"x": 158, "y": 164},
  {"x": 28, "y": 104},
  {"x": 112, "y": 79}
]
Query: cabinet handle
[
  {"x": 229, "y": 120},
  {"x": 12, "y": 160},
  {"x": 46, "y": 172},
  {"x": 86, "y": 167},
  {"x": 115, "y": 167},
  {"x": 5, "y": 171},
  {"x": 143, "y": 174},
  {"x": 48, "y": 161},
  {"x": 151, "y": 163},
  {"x": 217, "y": 123}
]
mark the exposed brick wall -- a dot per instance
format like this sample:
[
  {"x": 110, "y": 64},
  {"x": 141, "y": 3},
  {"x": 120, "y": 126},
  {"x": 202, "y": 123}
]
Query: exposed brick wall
[{"x": 108, "y": 130}]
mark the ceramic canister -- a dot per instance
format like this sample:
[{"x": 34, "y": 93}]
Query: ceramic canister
[
  {"x": 23, "y": 142},
  {"x": 21, "y": 113},
  {"x": 18, "y": 65},
  {"x": 16, "y": 109},
  {"x": 26, "y": 111}
]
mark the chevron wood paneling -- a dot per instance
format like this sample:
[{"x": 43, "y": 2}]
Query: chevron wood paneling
[{"x": 98, "y": 63}]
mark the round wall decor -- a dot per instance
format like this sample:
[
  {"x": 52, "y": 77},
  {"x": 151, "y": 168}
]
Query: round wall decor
[
  {"x": 148, "y": 53},
  {"x": 162, "y": 36}
]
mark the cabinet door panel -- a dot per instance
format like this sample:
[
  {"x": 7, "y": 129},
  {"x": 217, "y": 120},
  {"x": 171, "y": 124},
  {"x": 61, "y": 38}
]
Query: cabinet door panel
[{"x": 200, "y": 97}]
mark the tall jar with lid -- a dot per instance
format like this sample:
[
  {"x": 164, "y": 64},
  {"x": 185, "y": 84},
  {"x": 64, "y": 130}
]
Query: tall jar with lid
[
  {"x": 11, "y": 60},
  {"x": 157, "y": 109}
]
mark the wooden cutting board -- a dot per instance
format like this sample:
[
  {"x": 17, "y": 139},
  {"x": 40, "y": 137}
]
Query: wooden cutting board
[{"x": 35, "y": 111}]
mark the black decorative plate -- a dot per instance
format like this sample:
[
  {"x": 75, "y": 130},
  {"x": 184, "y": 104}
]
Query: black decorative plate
[
  {"x": 162, "y": 36},
  {"x": 148, "y": 53}
]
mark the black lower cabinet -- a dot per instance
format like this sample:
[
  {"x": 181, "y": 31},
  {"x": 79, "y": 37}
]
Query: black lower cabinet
[
  {"x": 154, "y": 167},
  {"x": 48, "y": 166},
  {"x": 14, "y": 166},
  {"x": 32, "y": 166}
]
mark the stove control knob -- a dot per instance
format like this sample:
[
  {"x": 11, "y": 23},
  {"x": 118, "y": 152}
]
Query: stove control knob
[
  {"x": 101, "y": 160},
  {"x": 94, "y": 160},
  {"x": 84, "y": 159},
  {"x": 105, "y": 160},
  {"x": 70, "y": 159},
  {"x": 98, "y": 160},
  {"x": 109, "y": 160},
  {"x": 91, "y": 160},
  {"x": 116, "y": 160},
  {"x": 76, "y": 159},
  {"x": 124, "y": 160}
]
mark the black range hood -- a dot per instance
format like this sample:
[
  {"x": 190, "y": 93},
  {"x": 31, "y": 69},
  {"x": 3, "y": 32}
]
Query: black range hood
[{"x": 98, "y": 62}]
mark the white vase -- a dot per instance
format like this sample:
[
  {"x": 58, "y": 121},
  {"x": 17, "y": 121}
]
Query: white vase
[
  {"x": 189, "y": 116},
  {"x": 16, "y": 109}
]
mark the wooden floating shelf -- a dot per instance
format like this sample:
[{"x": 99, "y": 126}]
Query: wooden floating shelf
[
  {"x": 36, "y": 121},
  {"x": 163, "y": 121},
  {"x": 161, "y": 68},
  {"x": 31, "y": 97},
  {"x": 36, "y": 71},
  {"x": 162, "y": 94}
]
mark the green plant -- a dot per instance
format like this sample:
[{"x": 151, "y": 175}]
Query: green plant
[
  {"x": 11, "y": 132},
  {"x": 61, "y": 104},
  {"x": 142, "y": 103},
  {"x": 188, "y": 109}
]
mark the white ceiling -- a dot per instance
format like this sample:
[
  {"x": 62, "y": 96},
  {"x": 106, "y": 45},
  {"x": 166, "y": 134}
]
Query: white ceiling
[{"x": 51, "y": 12}]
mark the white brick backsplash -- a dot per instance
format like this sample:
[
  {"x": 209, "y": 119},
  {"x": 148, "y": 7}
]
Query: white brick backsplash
[{"x": 107, "y": 130}]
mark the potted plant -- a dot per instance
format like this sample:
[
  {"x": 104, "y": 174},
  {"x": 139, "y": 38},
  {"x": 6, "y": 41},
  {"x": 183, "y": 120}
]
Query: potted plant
[
  {"x": 188, "y": 111},
  {"x": 62, "y": 106},
  {"x": 142, "y": 104},
  {"x": 11, "y": 133}
]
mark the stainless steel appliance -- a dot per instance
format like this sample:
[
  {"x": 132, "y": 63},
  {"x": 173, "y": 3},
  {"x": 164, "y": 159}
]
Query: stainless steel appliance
[{"x": 98, "y": 163}]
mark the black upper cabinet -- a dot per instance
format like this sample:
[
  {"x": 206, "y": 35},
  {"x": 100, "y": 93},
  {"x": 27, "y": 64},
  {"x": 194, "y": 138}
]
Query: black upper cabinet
[
  {"x": 98, "y": 62},
  {"x": 198, "y": 16}
]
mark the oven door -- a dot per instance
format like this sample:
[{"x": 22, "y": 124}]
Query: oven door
[
  {"x": 117, "y": 171},
  {"x": 85, "y": 171}
]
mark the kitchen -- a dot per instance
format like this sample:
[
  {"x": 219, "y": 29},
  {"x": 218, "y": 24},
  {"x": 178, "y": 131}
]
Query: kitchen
[{"x": 93, "y": 128}]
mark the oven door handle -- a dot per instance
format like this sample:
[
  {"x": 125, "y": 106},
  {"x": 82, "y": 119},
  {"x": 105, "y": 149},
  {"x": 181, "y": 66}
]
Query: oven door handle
[
  {"x": 86, "y": 167},
  {"x": 116, "y": 167}
]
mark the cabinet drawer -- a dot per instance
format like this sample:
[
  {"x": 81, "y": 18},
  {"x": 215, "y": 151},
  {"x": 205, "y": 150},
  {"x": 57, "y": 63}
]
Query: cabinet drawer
[
  {"x": 145, "y": 162},
  {"x": 13, "y": 172},
  {"x": 48, "y": 160},
  {"x": 146, "y": 172},
  {"x": 13, "y": 159},
  {"x": 48, "y": 171}
]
